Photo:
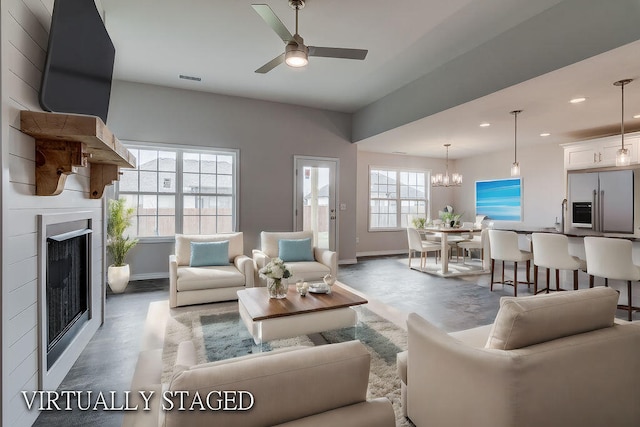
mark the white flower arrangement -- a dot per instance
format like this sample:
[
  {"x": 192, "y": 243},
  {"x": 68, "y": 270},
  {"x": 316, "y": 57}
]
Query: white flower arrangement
[{"x": 276, "y": 269}]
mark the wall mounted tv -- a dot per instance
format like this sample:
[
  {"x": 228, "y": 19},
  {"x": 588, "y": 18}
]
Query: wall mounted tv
[
  {"x": 79, "y": 65},
  {"x": 500, "y": 199}
]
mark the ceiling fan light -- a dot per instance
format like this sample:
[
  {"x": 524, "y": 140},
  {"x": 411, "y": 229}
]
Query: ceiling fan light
[{"x": 296, "y": 55}]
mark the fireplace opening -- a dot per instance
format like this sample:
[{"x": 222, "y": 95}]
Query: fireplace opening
[{"x": 67, "y": 284}]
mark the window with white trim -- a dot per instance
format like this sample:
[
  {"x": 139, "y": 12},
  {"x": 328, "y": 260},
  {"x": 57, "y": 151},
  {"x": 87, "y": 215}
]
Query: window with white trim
[
  {"x": 394, "y": 195},
  {"x": 180, "y": 190}
]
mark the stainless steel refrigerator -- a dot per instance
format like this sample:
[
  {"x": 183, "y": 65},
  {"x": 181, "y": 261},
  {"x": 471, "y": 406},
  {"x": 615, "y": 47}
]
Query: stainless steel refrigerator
[{"x": 602, "y": 201}]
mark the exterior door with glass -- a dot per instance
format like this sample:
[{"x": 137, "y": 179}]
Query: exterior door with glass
[{"x": 315, "y": 199}]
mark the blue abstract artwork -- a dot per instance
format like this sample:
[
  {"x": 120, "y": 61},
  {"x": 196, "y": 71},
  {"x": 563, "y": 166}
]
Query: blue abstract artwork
[{"x": 500, "y": 199}]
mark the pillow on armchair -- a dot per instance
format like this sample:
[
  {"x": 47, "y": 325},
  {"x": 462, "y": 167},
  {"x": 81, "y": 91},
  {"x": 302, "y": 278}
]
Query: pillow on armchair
[
  {"x": 205, "y": 254},
  {"x": 295, "y": 250}
]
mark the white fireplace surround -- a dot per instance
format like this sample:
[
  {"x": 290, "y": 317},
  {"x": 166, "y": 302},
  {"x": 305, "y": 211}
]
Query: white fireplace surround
[{"x": 50, "y": 379}]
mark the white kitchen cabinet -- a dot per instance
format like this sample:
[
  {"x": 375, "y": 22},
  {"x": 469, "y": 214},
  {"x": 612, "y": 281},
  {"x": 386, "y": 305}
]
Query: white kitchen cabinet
[{"x": 598, "y": 153}]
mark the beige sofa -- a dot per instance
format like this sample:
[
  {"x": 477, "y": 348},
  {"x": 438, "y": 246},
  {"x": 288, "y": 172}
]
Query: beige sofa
[
  {"x": 326, "y": 261},
  {"x": 297, "y": 386},
  {"x": 555, "y": 360},
  {"x": 198, "y": 285}
]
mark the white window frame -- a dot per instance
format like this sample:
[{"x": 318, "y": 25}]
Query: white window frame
[
  {"x": 398, "y": 199},
  {"x": 179, "y": 208}
]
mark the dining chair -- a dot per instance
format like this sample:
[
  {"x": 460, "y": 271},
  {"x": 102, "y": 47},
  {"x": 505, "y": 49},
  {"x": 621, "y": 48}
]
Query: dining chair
[
  {"x": 504, "y": 247},
  {"x": 551, "y": 251},
  {"x": 476, "y": 242},
  {"x": 612, "y": 258},
  {"x": 416, "y": 244}
]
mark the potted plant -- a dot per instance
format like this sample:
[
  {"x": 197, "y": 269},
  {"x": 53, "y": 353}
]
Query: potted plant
[
  {"x": 449, "y": 218},
  {"x": 419, "y": 222},
  {"x": 118, "y": 245}
]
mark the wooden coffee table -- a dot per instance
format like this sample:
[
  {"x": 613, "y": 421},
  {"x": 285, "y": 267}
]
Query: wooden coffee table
[{"x": 269, "y": 319}]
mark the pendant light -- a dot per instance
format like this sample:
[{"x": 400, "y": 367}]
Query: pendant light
[
  {"x": 440, "y": 180},
  {"x": 622, "y": 155},
  {"x": 515, "y": 167}
]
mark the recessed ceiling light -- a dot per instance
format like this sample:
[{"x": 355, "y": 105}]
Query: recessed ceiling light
[
  {"x": 485, "y": 125},
  {"x": 577, "y": 100},
  {"x": 545, "y": 134},
  {"x": 637, "y": 116},
  {"x": 398, "y": 152}
]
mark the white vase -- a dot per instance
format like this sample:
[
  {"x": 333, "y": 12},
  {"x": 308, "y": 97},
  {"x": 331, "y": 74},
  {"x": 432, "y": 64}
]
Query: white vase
[{"x": 118, "y": 278}]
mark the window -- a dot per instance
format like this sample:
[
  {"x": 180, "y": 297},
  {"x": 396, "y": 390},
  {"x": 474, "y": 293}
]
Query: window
[
  {"x": 394, "y": 195},
  {"x": 191, "y": 191}
]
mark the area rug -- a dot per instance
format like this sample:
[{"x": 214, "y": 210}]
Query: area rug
[{"x": 218, "y": 333}]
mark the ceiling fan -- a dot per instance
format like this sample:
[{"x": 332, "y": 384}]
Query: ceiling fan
[{"x": 296, "y": 53}]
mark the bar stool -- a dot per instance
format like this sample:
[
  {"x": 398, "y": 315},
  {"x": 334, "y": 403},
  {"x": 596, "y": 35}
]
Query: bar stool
[
  {"x": 612, "y": 259},
  {"x": 504, "y": 247},
  {"x": 552, "y": 251}
]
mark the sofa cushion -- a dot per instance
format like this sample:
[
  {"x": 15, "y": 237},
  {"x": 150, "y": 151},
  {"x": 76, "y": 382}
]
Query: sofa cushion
[
  {"x": 524, "y": 321},
  {"x": 209, "y": 253},
  {"x": 195, "y": 278},
  {"x": 183, "y": 244},
  {"x": 295, "y": 250},
  {"x": 307, "y": 270}
]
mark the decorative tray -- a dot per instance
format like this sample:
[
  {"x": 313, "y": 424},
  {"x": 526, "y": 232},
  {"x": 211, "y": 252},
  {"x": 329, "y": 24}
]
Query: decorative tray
[{"x": 318, "y": 288}]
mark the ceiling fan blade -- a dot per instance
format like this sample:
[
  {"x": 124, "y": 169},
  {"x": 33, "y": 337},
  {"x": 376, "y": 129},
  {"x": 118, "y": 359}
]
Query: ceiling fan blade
[
  {"x": 273, "y": 21},
  {"x": 271, "y": 64},
  {"x": 338, "y": 52}
]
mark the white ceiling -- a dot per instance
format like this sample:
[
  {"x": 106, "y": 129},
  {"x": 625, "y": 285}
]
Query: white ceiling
[{"x": 224, "y": 41}]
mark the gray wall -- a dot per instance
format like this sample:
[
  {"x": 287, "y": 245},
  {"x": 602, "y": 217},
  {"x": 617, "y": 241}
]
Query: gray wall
[
  {"x": 543, "y": 186},
  {"x": 267, "y": 134}
]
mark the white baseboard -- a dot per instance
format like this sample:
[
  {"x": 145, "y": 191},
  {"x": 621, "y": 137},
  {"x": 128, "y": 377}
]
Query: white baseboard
[
  {"x": 382, "y": 253},
  {"x": 149, "y": 276},
  {"x": 348, "y": 261}
]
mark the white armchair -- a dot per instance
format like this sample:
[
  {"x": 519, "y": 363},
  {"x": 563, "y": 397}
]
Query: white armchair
[
  {"x": 324, "y": 261},
  {"x": 208, "y": 283}
]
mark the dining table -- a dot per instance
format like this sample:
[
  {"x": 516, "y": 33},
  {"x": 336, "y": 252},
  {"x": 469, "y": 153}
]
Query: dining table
[{"x": 444, "y": 233}]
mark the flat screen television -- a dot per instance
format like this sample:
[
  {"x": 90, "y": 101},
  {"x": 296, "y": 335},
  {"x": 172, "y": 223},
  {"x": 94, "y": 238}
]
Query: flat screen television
[{"x": 79, "y": 65}]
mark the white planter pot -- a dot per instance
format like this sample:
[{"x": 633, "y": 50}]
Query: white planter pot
[{"x": 118, "y": 278}]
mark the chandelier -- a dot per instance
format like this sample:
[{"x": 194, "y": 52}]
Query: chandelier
[{"x": 440, "y": 180}]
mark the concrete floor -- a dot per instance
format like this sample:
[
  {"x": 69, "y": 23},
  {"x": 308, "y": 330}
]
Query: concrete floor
[{"x": 108, "y": 361}]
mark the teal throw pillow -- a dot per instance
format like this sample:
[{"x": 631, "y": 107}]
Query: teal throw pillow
[
  {"x": 205, "y": 254},
  {"x": 294, "y": 250}
]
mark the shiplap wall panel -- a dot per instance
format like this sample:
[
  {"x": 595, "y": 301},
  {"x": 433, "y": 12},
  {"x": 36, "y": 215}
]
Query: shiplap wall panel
[
  {"x": 21, "y": 272},
  {"x": 22, "y": 247},
  {"x": 19, "y": 415},
  {"x": 24, "y": 68},
  {"x": 25, "y": 27},
  {"x": 24, "y": 43},
  {"x": 21, "y": 324},
  {"x": 21, "y": 144},
  {"x": 21, "y": 170},
  {"x": 22, "y": 348},
  {"x": 21, "y": 298},
  {"x": 22, "y": 374},
  {"x": 22, "y": 93},
  {"x": 22, "y": 221}
]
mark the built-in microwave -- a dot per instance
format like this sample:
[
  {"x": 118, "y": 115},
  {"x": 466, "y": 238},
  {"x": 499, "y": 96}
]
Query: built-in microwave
[{"x": 582, "y": 215}]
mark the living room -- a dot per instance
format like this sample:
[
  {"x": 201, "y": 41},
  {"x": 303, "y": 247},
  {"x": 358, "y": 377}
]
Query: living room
[{"x": 268, "y": 132}]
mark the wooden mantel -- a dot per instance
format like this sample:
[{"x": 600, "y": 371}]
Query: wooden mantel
[{"x": 65, "y": 142}]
